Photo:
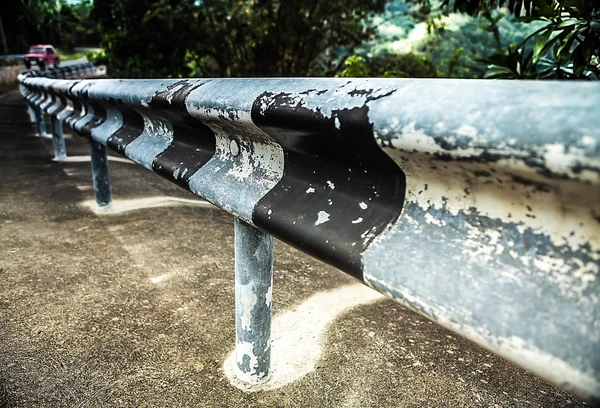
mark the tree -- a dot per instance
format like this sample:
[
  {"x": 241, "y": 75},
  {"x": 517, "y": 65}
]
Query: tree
[
  {"x": 86, "y": 29},
  {"x": 279, "y": 37},
  {"x": 146, "y": 38},
  {"x": 567, "y": 46},
  {"x": 57, "y": 22},
  {"x": 47, "y": 17}
]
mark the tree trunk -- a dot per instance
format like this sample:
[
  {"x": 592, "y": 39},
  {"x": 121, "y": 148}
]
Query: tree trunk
[{"x": 3, "y": 37}]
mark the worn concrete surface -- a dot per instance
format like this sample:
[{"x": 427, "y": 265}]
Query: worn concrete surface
[{"x": 136, "y": 310}]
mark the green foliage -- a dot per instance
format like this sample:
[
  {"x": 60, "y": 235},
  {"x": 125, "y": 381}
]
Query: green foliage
[
  {"x": 492, "y": 24},
  {"x": 572, "y": 35},
  {"x": 389, "y": 66},
  {"x": 474, "y": 7},
  {"x": 156, "y": 38},
  {"x": 54, "y": 22},
  {"x": 566, "y": 46},
  {"x": 279, "y": 37},
  {"x": 355, "y": 68},
  {"x": 454, "y": 61},
  {"x": 515, "y": 63},
  {"x": 66, "y": 55},
  {"x": 455, "y": 46},
  {"x": 402, "y": 66},
  {"x": 46, "y": 17},
  {"x": 85, "y": 30},
  {"x": 347, "y": 38},
  {"x": 146, "y": 38},
  {"x": 458, "y": 53},
  {"x": 97, "y": 58}
]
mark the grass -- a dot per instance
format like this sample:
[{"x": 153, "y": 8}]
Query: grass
[{"x": 67, "y": 56}]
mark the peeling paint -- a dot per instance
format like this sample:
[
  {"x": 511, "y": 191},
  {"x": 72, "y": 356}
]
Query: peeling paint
[
  {"x": 322, "y": 217},
  {"x": 248, "y": 300}
]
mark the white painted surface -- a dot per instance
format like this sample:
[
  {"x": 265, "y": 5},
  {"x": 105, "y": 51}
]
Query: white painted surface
[
  {"x": 298, "y": 335},
  {"x": 86, "y": 159},
  {"x": 322, "y": 217},
  {"x": 123, "y": 206}
]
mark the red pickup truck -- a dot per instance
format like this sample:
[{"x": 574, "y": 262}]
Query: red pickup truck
[{"x": 41, "y": 55}]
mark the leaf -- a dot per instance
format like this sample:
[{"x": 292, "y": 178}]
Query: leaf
[
  {"x": 569, "y": 22},
  {"x": 578, "y": 4},
  {"x": 536, "y": 32},
  {"x": 543, "y": 9},
  {"x": 543, "y": 44},
  {"x": 579, "y": 61},
  {"x": 541, "y": 48},
  {"x": 565, "y": 47}
]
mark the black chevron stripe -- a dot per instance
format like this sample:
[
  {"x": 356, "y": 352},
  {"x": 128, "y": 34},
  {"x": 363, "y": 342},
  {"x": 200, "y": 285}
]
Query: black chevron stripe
[{"x": 351, "y": 182}]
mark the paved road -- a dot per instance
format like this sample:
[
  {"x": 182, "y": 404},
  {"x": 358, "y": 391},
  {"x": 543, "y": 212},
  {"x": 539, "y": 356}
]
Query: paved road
[
  {"x": 136, "y": 309},
  {"x": 81, "y": 60},
  {"x": 88, "y": 49},
  {"x": 63, "y": 63}
]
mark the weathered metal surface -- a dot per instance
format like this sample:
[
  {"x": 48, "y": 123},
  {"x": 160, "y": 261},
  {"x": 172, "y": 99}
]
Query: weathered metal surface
[
  {"x": 476, "y": 203},
  {"x": 58, "y": 139},
  {"x": 12, "y": 57},
  {"x": 39, "y": 120},
  {"x": 100, "y": 175},
  {"x": 253, "y": 302}
]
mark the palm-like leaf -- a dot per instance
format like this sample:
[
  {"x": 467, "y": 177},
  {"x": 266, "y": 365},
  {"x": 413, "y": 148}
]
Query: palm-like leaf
[{"x": 473, "y": 7}]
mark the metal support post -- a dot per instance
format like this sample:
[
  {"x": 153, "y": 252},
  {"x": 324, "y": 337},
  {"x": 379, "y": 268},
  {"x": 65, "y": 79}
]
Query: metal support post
[
  {"x": 100, "y": 175},
  {"x": 58, "y": 139},
  {"x": 253, "y": 296},
  {"x": 39, "y": 120},
  {"x": 31, "y": 112}
]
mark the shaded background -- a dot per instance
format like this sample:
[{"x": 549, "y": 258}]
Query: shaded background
[{"x": 395, "y": 38}]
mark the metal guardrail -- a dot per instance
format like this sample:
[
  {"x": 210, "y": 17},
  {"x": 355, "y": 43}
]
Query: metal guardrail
[
  {"x": 12, "y": 57},
  {"x": 73, "y": 71},
  {"x": 475, "y": 203}
]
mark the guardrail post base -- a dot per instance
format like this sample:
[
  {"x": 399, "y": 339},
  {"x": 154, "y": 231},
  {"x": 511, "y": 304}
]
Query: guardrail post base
[
  {"x": 100, "y": 175},
  {"x": 58, "y": 139},
  {"x": 39, "y": 120},
  {"x": 253, "y": 298}
]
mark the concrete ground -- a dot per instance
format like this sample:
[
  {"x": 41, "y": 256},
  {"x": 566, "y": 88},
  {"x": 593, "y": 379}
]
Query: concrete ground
[{"x": 136, "y": 309}]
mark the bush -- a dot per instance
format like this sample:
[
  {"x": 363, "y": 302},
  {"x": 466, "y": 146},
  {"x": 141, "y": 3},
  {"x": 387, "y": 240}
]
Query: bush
[
  {"x": 389, "y": 65},
  {"x": 355, "y": 68},
  {"x": 402, "y": 66},
  {"x": 97, "y": 58}
]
